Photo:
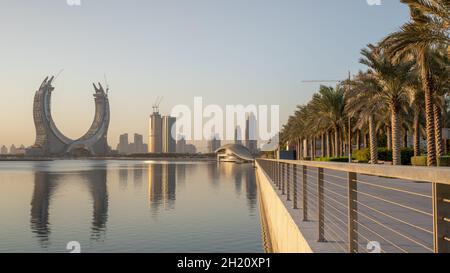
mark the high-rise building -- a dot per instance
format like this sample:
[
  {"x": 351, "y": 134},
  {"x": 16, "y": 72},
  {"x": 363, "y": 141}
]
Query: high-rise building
[
  {"x": 4, "y": 150},
  {"x": 123, "y": 147},
  {"x": 168, "y": 140},
  {"x": 190, "y": 149},
  {"x": 238, "y": 135},
  {"x": 251, "y": 137},
  {"x": 12, "y": 150},
  {"x": 138, "y": 146},
  {"x": 181, "y": 145},
  {"x": 214, "y": 144},
  {"x": 155, "y": 133},
  {"x": 21, "y": 150}
]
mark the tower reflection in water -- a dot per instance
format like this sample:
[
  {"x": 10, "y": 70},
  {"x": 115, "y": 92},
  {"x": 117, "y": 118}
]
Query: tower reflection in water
[
  {"x": 164, "y": 179},
  {"x": 45, "y": 185},
  {"x": 162, "y": 186}
]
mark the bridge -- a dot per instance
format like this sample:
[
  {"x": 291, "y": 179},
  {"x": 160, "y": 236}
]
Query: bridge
[{"x": 341, "y": 207}]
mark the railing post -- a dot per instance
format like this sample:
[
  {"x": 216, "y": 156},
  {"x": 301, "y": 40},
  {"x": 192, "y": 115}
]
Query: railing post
[
  {"x": 272, "y": 171},
  {"x": 283, "y": 179},
  {"x": 294, "y": 181},
  {"x": 278, "y": 176},
  {"x": 288, "y": 182},
  {"x": 441, "y": 218},
  {"x": 352, "y": 213},
  {"x": 320, "y": 205},
  {"x": 305, "y": 195}
]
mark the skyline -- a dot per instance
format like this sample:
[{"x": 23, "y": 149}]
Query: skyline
[{"x": 231, "y": 53}]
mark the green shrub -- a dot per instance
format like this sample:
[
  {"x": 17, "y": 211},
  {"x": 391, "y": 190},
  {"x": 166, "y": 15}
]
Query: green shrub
[
  {"x": 307, "y": 158},
  {"x": 384, "y": 154},
  {"x": 444, "y": 161},
  {"x": 362, "y": 155},
  {"x": 419, "y": 161},
  {"x": 407, "y": 154}
]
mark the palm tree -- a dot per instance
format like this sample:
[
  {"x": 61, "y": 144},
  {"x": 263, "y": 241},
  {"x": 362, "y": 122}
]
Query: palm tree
[
  {"x": 329, "y": 106},
  {"x": 363, "y": 101},
  {"x": 393, "y": 82},
  {"x": 440, "y": 68},
  {"x": 429, "y": 27}
]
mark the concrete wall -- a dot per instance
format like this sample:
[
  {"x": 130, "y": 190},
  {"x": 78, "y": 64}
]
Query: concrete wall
[{"x": 285, "y": 235}]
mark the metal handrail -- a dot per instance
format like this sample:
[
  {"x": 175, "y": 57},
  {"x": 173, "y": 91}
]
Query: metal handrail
[
  {"x": 439, "y": 175},
  {"x": 312, "y": 184}
]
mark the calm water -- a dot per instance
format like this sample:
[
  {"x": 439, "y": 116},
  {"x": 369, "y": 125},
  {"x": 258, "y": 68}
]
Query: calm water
[{"x": 129, "y": 206}]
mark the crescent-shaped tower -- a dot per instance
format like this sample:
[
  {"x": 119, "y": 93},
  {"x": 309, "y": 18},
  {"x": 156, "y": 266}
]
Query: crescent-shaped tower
[{"x": 49, "y": 139}]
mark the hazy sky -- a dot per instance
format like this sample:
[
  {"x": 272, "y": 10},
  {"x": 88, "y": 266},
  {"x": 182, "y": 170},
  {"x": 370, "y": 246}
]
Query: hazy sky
[{"x": 227, "y": 51}]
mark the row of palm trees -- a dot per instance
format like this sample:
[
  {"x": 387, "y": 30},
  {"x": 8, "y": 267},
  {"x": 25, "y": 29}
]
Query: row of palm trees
[{"x": 405, "y": 88}]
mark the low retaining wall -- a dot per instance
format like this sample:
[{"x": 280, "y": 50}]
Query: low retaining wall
[{"x": 284, "y": 233}]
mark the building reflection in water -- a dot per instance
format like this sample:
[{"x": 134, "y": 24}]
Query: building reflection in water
[
  {"x": 123, "y": 177},
  {"x": 181, "y": 174},
  {"x": 45, "y": 184},
  {"x": 162, "y": 186},
  {"x": 243, "y": 174},
  {"x": 138, "y": 175}
]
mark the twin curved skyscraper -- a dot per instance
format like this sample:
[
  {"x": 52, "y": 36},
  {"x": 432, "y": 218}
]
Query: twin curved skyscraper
[{"x": 49, "y": 139}]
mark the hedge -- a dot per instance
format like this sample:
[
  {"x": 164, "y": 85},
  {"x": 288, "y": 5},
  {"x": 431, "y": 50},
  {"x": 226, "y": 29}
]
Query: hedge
[
  {"x": 444, "y": 161},
  {"x": 384, "y": 155},
  {"x": 343, "y": 159},
  {"x": 419, "y": 161}
]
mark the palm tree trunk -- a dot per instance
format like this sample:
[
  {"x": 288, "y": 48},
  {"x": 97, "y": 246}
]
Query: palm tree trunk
[
  {"x": 302, "y": 150},
  {"x": 416, "y": 133},
  {"x": 389, "y": 137},
  {"x": 336, "y": 142},
  {"x": 396, "y": 154},
  {"x": 365, "y": 141},
  {"x": 429, "y": 113},
  {"x": 313, "y": 144},
  {"x": 405, "y": 138},
  {"x": 322, "y": 145},
  {"x": 438, "y": 131},
  {"x": 373, "y": 141},
  {"x": 358, "y": 139},
  {"x": 328, "y": 144},
  {"x": 307, "y": 147}
]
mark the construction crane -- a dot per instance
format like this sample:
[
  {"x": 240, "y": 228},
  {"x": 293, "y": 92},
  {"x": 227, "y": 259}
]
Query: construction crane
[
  {"x": 57, "y": 75},
  {"x": 157, "y": 104},
  {"x": 316, "y": 81}
]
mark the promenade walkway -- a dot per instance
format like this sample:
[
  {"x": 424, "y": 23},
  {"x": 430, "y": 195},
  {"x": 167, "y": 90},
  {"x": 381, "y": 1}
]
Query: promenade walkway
[{"x": 386, "y": 214}]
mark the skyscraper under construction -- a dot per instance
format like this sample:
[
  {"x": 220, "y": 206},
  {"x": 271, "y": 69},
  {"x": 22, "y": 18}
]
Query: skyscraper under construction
[{"x": 160, "y": 137}]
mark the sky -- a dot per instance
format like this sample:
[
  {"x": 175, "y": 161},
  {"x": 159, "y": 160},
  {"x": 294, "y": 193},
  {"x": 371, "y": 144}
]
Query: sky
[{"x": 226, "y": 51}]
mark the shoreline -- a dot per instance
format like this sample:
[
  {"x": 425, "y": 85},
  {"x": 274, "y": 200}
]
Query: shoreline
[{"x": 179, "y": 159}]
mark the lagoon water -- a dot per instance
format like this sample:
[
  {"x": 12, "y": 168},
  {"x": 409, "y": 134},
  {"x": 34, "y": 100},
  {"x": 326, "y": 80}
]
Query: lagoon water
[{"x": 129, "y": 206}]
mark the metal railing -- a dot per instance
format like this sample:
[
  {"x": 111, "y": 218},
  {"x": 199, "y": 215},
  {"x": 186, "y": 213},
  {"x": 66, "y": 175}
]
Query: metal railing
[{"x": 366, "y": 208}]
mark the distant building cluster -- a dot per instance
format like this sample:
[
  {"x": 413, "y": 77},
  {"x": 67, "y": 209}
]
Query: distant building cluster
[
  {"x": 136, "y": 147},
  {"x": 214, "y": 143},
  {"x": 184, "y": 148},
  {"x": 13, "y": 150}
]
